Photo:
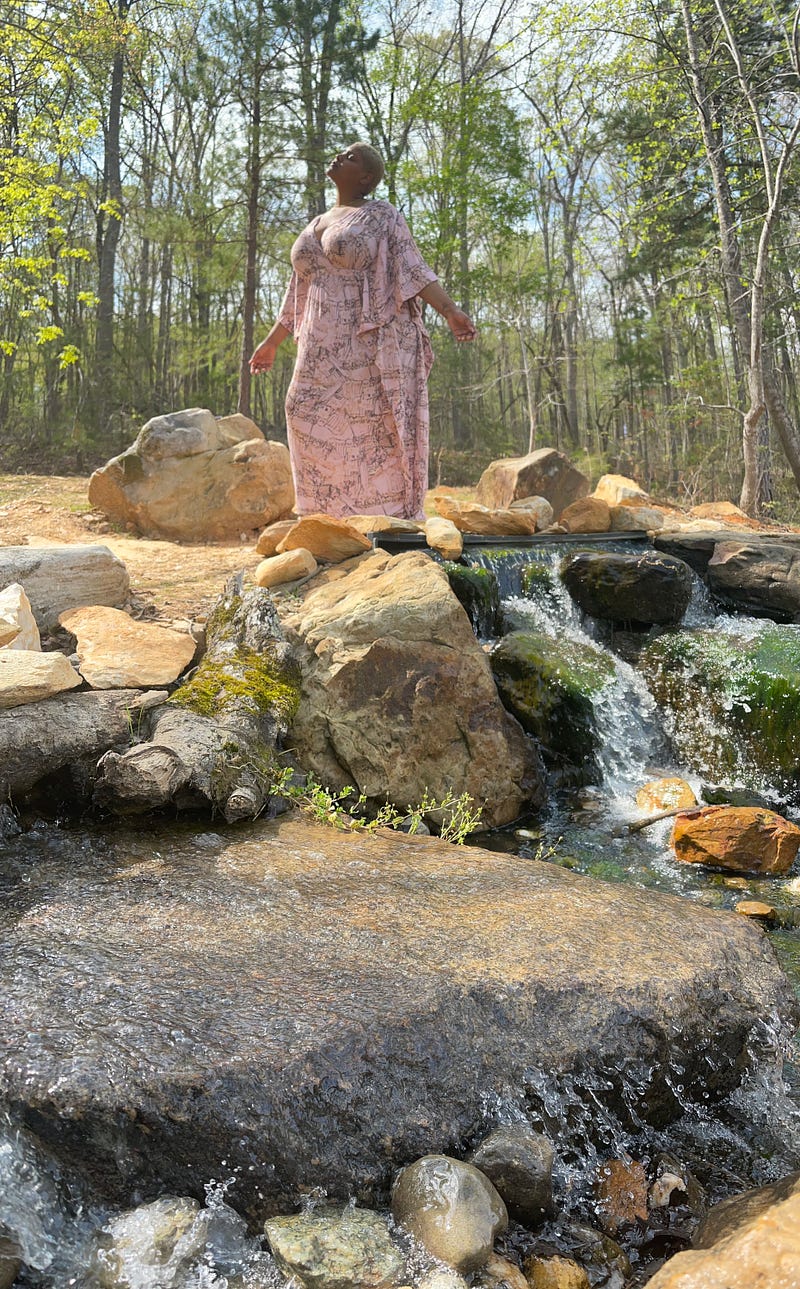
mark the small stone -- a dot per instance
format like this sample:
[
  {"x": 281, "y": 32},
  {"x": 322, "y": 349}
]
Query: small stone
[
  {"x": 666, "y": 794},
  {"x": 499, "y": 1273},
  {"x": 334, "y": 1248},
  {"x": 329, "y": 540},
  {"x": 451, "y": 1208},
  {"x": 29, "y": 677},
  {"x": 117, "y": 652},
  {"x": 755, "y": 909},
  {"x": 442, "y": 1280},
  {"x": 736, "y": 883},
  {"x": 519, "y": 1164},
  {"x": 541, "y": 508},
  {"x": 555, "y": 1273},
  {"x": 443, "y": 536},
  {"x": 587, "y": 515},
  {"x": 153, "y": 1240},
  {"x": 635, "y": 518},
  {"x": 288, "y": 567},
  {"x": 616, "y": 488},
  {"x": 18, "y": 629},
  {"x": 664, "y": 1187},
  {"x": 621, "y": 1189},
  {"x": 272, "y": 536},
  {"x": 365, "y": 524}
]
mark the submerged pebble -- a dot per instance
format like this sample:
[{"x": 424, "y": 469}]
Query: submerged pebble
[{"x": 451, "y": 1208}]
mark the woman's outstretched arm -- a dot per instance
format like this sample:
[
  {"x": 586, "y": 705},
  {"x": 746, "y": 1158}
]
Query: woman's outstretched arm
[
  {"x": 264, "y": 356},
  {"x": 461, "y": 325}
]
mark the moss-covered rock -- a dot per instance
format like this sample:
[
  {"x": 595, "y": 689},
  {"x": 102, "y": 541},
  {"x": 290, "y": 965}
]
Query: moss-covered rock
[
  {"x": 549, "y": 686},
  {"x": 646, "y": 588},
  {"x": 732, "y": 702},
  {"x": 478, "y": 592}
]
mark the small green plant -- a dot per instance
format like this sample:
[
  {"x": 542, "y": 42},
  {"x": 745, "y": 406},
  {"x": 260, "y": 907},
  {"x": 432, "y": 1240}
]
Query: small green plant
[{"x": 458, "y": 816}]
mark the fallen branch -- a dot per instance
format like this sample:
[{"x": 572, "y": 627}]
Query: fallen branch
[{"x": 639, "y": 824}]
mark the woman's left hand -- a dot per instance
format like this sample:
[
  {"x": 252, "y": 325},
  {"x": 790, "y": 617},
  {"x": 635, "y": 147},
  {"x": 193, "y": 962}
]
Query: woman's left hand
[{"x": 461, "y": 325}]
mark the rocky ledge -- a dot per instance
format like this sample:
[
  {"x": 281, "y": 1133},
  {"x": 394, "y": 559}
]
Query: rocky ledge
[{"x": 295, "y": 1006}]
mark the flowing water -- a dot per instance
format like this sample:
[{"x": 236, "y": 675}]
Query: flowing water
[{"x": 751, "y": 1139}]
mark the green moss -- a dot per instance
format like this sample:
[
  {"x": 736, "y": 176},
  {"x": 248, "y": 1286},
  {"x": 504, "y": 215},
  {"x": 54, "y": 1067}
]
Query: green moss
[
  {"x": 477, "y": 590},
  {"x": 732, "y": 702},
  {"x": 247, "y": 678}
]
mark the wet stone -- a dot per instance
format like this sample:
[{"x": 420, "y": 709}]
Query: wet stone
[
  {"x": 160, "y": 1239},
  {"x": 336, "y": 1248},
  {"x": 555, "y": 1273},
  {"x": 451, "y": 1209},
  {"x": 519, "y": 1164}
]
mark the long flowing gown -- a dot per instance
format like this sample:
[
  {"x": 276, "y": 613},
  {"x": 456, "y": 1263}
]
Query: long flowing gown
[{"x": 357, "y": 405}]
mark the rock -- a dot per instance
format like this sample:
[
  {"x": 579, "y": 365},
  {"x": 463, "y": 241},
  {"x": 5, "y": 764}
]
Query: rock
[
  {"x": 389, "y": 663},
  {"x": 443, "y": 536},
  {"x": 665, "y": 794},
  {"x": 273, "y": 984},
  {"x": 756, "y": 909},
  {"x": 648, "y": 588},
  {"x": 365, "y": 524},
  {"x": 478, "y": 592},
  {"x": 442, "y": 1280},
  {"x": 451, "y": 1209},
  {"x": 731, "y": 702},
  {"x": 541, "y": 508},
  {"x": 742, "y": 1247},
  {"x": 287, "y": 567},
  {"x": 57, "y": 578},
  {"x": 519, "y": 1164},
  {"x": 725, "y": 511},
  {"x": 329, "y": 540},
  {"x": 588, "y": 515},
  {"x": 613, "y": 489},
  {"x": 335, "y": 1248},
  {"x": 695, "y": 549},
  {"x": 469, "y": 517},
  {"x": 160, "y": 1239},
  {"x": 10, "y": 1262},
  {"x": 190, "y": 477},
  {"x": 29, "y": 677},
  {"x": 607, "y": 1262},
  {"x": 116, "y": 652},
  {"x": 499, "y": 1273},
  {"x": 18, "y": 629},
  {"x": 633, "y": 518},
  {"x": 543, "y": 473},
  {"x": 756, "y": 577},
  {"x": 555, "y": 1273},
  {"x": 621, "y": 1190},
  {"x": 549, "y": 686},
  {"x": 741, "y": 839},
  {"x": 272, "y": 536}
]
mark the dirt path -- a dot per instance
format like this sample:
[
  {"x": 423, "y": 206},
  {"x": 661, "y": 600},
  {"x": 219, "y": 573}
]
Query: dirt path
[{"x": 168, "y": 580}]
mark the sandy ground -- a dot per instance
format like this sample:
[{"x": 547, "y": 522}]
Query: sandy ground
[{"x": 168, "y": 580}]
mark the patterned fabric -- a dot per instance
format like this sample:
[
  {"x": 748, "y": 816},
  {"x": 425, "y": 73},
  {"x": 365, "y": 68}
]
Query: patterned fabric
[{"x": 357, "y": 406}]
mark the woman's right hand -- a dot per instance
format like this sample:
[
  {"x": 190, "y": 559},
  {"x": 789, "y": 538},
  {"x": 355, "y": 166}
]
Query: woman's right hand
[{"x": 264, "y": 356}]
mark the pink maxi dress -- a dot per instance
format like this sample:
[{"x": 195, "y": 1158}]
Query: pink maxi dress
[{"x": 357, "y": 405}]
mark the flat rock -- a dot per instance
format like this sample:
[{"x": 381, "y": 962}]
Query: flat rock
[
  {"x": 178, "y": 1005},
  {"x": 760, "y": 577},
  {"x": 28, "y": 676},
  {"x": 329, "y": 540},
  {"x": 56, "y": 578},
  {"x": 469, "y": 517},
  {"x": 665, "y": 794},
  {"x": 18, "y": 629},
  {"x": 117, "y": 652}
]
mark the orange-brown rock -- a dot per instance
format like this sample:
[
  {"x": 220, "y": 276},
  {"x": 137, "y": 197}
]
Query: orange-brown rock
[
  {"x": 755, "y": 909},
  {"x": 725, "y": 511},
  {"x": 29, "y": 676},
  {"x": 541, "y": 508},
  {"x": 621, "y": 1189},
  {"x": 665, "y": 794},
  {"x": 329, "y": 540},
  {"x": 277, "y": 570},
  {"x": 117, "y": 652},
  {"x": 587, "y": 515},
  {"x": 499, "y": 1273},
  {"x": 383, "y": 524},
  {"x": 543, "y": 473},
  {"x": 442, "y": 535},
  {"x": 633, "y": 517},
  {"x": 271, "y": 537},
  {"x": 616, "y": 488},
  {"x": 744, "y": 839},
  {"x": 555, "y": 1273},
  {"x": 469, "y": 517}
]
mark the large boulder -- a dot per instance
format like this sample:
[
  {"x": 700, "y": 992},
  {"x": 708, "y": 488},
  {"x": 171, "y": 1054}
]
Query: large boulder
[
  {"x": 549, "y": 685},
  {"x": 760, "y": 577},
  {"x": 397, "y": 695},
  {"x": 614, "y": 489},
  {"x": 57, "y": 578},
  {"x": 543, "y": 473},
  {"x": 192, "y": 477},
  {"x": 649, "y": 588},
  {"x": 731, "y": 702},
  {"x": 297, "y": 1006}
]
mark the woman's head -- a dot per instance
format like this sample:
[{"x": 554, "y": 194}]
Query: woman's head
[
  {"x": 357, "y": 170},
  {"x": 372, "y": 161}
]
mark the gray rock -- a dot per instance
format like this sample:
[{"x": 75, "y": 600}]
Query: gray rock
[
  {"x": 519, "y": 1164},
  {"x": 298, "y": 1006},
  {"x": 757, "y": 577},
  {"x": 10, "y": 1261},
  {"x": 650, "y": 588},
  {"x": 451, "y": 1208},
  {"x": 57, "y": 578},
  {"x": 336, "y": 1248}
]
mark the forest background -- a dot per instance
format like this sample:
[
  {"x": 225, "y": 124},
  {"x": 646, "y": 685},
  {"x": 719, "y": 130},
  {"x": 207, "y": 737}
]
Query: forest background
[{"x": 611, "y": 191}]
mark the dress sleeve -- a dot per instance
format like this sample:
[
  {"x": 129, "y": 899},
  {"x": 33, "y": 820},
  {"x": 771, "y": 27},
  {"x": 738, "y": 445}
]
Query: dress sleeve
[
  {"x": 411, "y": 273},
  {"x": 398, "y": 272},
  {"x": 294, "y": 304}
]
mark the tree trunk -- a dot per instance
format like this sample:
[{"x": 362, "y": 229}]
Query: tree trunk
[
  {"x": 109, "y": 224},
  {"x": 251, "y": 249}
]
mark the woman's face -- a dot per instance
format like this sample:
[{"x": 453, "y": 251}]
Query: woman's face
[{"x": 347, "y": 169}]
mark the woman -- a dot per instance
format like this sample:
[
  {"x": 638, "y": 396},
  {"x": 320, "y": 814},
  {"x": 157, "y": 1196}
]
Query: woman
[{"x": 357, "y": 406}]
